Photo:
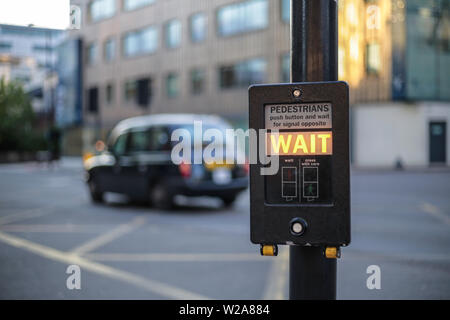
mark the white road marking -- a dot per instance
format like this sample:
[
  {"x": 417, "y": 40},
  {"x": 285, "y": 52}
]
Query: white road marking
[
  {"x": 435, "y": 212},
  {"x": 156, "y": 287},
  {"x": 278, "y": 276},
  {"x": 174, "y": 257},
  {"x": 109, "y": 236}
]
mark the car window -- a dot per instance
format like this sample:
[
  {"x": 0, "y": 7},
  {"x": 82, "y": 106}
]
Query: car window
[
  {"x": 139, "y": 141},
  {"x": 120, "y": 146},
  {"x": 205, "y": 126},
  {"x": 159, "y": 139}
]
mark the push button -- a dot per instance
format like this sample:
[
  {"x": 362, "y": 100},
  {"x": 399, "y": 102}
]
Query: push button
[{"x": 298, "y": 226}]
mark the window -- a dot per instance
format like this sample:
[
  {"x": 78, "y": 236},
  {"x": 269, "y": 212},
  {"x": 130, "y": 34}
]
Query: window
[
  {"x": 144, "y": 92},
  {"x": 173, "y": 34},
  {"x": 149, "y": 39},
  {"x": 154, "y": 139},
  {"x": 109, "y": 93},
  {"x": 138, "y": 91},
  {"x": 110, "y": 49},
  {"x": 286, "y": 10},
  {"x": 159, "y": 139},
  {"x": 243, "y": 74},
  {"x": 101, "y": 9},
  {"x": 172, "y": 85},
  {"x": 91, "y": 53},
  {"x": 242, "y": 17},
  {"x": 139, "y": 141},
  {"x": 373, "y": 59},
  {"x": 120, "y": 146},
  {"x": 144, "y": 41},
  {"x": 130, "y": 90},
  {"x": 93, "y": 100},
  {"x": 5, "y": 46},
  {"x": 131, "y": 44},
  {"x": 42, "y": 48},
  {"x": 197, "y": 81},
  {"x": 228, "y": 77},
  {"x": 198, "y": 27},
  {"x": 285, "y": 67},
  {"x": 135, "y": 4}
]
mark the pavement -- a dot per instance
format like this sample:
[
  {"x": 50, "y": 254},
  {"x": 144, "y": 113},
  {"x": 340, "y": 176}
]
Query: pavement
[{"x": 400, "y": 223}]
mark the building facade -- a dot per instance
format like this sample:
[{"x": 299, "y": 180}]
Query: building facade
[
  {"x": 28, "y": 55},
  {"x": 411, "y": 128},
  {"x": 26, "y": 42},
  {"x": 179, "y": 56},
  {"x": 199, "y": 56}
]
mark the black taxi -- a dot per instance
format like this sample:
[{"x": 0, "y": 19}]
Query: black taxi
[{"x": 137, "y": 162}]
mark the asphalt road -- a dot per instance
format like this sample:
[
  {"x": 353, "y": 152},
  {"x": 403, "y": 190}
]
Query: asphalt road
[{"x": 400, "y": 222}]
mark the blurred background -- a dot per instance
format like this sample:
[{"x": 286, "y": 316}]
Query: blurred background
[
  {"x": 69, "y": 74},
  {"x": 136, "y": 57}
]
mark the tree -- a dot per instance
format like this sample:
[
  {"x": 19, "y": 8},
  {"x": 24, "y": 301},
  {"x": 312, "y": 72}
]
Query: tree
[{"x": 16, "y": 119}]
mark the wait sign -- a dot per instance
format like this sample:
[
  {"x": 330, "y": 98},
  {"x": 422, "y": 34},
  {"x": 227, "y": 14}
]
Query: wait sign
[{"x": 300, "y": 143}]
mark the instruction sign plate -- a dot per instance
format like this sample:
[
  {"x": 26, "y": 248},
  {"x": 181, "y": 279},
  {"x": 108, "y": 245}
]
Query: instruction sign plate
[{"x": 298, "y": 116}]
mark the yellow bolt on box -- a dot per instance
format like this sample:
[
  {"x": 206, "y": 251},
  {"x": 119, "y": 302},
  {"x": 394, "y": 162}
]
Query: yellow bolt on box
[
  {"x": 269, "y": 250},
  {"x": 332, "y": 252}
]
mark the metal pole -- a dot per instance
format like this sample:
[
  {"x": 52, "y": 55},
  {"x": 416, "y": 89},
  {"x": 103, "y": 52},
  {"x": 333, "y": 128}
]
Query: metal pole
[{"x": 313, "y": 58}]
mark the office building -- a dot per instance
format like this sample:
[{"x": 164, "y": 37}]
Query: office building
[{"x": 152, "y": 56}]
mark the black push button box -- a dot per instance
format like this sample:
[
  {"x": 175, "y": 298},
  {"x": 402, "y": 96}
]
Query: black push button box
[{"x": 306, "y": 201}]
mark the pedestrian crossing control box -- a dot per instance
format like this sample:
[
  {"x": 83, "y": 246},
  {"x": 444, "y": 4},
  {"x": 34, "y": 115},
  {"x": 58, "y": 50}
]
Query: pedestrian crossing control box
[{"x": 306, "y": 199}]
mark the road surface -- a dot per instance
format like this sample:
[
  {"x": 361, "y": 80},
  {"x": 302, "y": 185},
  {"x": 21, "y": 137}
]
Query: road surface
[{"x": 400, "y": 223}]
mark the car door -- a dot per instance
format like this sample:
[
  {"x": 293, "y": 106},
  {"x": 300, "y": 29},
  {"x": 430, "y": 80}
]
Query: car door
[
  {"x": 114, "y": 177},
  {"x": 135, "y": 174},
  {"x": 150, "y": 152}
]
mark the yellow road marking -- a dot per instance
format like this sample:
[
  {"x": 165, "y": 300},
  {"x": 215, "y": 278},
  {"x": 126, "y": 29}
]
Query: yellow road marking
[
  {"x": 174, "y": 257},
  {"x": 435, "y": 212},
  {"x": 109, "y": 236},
  {"x": 278, "y": 276},
  {"x": 157, "y": 287}
]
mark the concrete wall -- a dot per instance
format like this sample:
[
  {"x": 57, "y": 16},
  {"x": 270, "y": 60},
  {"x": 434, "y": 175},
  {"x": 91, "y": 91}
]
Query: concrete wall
[{"x": 385, "y": 133}]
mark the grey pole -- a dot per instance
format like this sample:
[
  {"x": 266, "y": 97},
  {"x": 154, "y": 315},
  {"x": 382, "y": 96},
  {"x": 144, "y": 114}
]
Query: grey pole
[{"x": 313, "y": 58}]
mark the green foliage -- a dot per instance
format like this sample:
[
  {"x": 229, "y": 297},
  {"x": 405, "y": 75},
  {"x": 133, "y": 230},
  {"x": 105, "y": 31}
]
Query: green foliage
[{"x": 16, "y": 119}]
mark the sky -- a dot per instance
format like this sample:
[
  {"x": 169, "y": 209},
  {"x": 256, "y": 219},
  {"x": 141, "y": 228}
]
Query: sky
[{"x": 52, "y": 14}]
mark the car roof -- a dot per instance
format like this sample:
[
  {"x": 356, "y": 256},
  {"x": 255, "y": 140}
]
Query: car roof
[{"x": 168, "y": 119}]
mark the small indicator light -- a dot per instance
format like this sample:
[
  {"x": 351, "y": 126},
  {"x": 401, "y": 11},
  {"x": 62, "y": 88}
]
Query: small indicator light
[{"x": 297, "y": 93}]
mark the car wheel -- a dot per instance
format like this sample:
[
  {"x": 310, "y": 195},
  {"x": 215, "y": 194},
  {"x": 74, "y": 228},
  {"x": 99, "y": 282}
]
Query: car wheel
[
  {"x": 96, "y": 195},
  {"x": 160, "y": 197},
  {"x": 229, "y": 200}
]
